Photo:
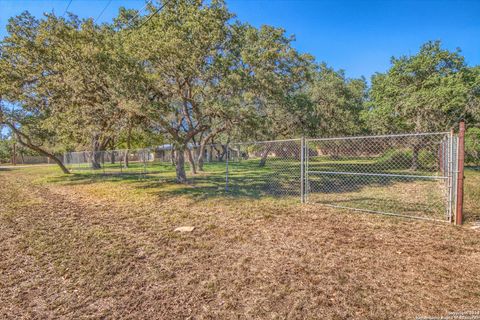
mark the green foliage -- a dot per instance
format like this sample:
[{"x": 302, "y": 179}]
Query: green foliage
[
  {"x": 396, "y": 158},
  {"x": 333, "y": 104},
  {"x": 402, "y": 159},
  {"x": 425, "y": 92},
  {"x": 139, "y": 138},
  {"x": 192, "y": 74},
  {"x": 5, "y": 150},
  {"x": 7, "y": 142},
  {"x": 472, "y": 146},
  {"x": 208, "y": 74},
  {"x": 204, "y": 74}
]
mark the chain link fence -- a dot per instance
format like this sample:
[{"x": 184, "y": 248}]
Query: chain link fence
[
  {"x": 152, "y": 160},
  {"x": 412, "y": 175},
  {"x": 409, "y": 175},
  {"x": 266, "y": 168},
  {"x": 110, "y": 162}
]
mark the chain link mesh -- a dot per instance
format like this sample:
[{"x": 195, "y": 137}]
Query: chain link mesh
[
  {"x": 110, "y": 162},
  {"x": 153, "y": 160},
  {"x": 407, "y": 175},
  {"x": 270, "y": 168},
  {"x": 411, "y": 175}
]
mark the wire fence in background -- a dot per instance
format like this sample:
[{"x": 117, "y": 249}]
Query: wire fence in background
[
  {"x": 266, "y": 168},
  {"x": 110, "y": 162},
  {"x": 412, "y": 175},
  {"x": 150, "y": 160}
]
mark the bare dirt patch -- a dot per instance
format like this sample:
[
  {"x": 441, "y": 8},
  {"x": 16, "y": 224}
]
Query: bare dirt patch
[{"x": 85, "y": 251}]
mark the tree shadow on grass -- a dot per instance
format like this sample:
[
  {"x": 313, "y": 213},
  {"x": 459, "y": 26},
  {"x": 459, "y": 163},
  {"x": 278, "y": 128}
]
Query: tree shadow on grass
[
  {"x": 345, "y": 183},
  {"x": 246, "y": 179},
  {"x": 473, "y": 168}
]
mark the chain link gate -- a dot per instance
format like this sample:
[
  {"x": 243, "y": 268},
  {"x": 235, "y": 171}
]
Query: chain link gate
[{"x": 410, "y": 175}]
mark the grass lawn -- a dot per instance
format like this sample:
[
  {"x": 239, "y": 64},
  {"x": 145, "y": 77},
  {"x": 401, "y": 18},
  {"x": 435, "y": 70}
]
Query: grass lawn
[
  {"x": 411, "y": 196},
  {"x": 95, "y": 246}
]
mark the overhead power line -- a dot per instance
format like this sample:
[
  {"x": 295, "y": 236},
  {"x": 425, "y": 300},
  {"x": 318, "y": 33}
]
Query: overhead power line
[
  {"x": 138, "y": 12},
  {"x": 156, "y": 11},
  {"x": 68, "y": 6},
  {"x": 101, "y": 13}
]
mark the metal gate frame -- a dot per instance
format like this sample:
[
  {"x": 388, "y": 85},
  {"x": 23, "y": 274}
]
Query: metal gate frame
[{"x": 453, "y": 177}]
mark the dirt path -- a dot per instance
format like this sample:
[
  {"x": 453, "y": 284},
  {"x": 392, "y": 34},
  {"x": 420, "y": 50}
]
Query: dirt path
[{"x": 72, "y": 252}]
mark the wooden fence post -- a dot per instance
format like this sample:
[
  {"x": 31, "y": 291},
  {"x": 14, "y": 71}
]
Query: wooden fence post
[{"x": 460, "y": 176}]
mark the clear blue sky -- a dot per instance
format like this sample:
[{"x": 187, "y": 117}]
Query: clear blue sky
[{"x": 357, "y": 36}]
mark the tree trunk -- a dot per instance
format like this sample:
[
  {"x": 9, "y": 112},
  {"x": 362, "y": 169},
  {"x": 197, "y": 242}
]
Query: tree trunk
[
  {"x": 129, "y": 145},
  {"x": 98, "y": 147},
  {"x": 201, "y": 155},
  {"x": 263, "y": 160},
  {"x": 27, "y": 143},
  {"x": 193, "y": 169},
  {"x": 200, "y": 163},
  {"x": 224, "y": 152},
  {"x": 112, "y": 155},
  {"x": 219, "y": 155},
  {"x": 95, "y": 158},
  {"x": 125, "y": 158},
  {"x": 203, "y": 145},
  {"x": 416, "y": 151},
  {"x": 180, "y": 165},
  {"x": 14, "y": 157},
  {"x": 336, "y": 152},
  {"x": 172, "y": 156},
  {"x": 58, "y": 162},
  {"x": 209, "y": 158}
]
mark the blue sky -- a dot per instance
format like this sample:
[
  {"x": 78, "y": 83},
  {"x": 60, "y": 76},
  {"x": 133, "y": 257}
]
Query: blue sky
[{"x": 357, "y": 36}]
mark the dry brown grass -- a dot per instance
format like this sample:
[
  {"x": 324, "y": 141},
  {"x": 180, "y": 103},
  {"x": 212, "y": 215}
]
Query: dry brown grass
[{"x": 108, "y": 249}]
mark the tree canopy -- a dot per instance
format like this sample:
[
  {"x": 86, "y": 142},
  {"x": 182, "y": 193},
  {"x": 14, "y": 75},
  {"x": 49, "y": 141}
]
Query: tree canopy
[
  {"x": 426, "y": 92},
  {"x": 189, "y": 73}
]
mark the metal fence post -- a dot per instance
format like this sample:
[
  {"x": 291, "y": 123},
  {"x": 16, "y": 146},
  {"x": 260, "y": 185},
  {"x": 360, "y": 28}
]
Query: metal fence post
[
  {"x": 103, "y": 161},
  {"x": 302, "y": 170},
  {"x": 449, "y": 169},
  {"x": 226, "y": 169},
  {"x": 145, "y": 154},
  {"x": 461, "y": 160}
]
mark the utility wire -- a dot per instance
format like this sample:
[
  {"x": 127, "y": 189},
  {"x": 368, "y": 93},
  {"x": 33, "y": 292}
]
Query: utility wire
[
  {"x": 156, "y": 11},
  {"x": 68, "y": 6},
  {"x": 138, "y": 12},
  {"x": 101, "y": 13}
]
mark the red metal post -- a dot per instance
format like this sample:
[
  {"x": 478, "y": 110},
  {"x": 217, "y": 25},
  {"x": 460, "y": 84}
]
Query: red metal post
[{"x": 461, "y": 160}]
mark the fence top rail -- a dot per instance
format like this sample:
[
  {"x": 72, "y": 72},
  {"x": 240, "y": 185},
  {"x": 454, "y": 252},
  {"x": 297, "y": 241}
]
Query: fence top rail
[
  {"x": 265, "y": 141},
  {"x": 150, "y": 149},
  {"x": 380, "y": 136},
  {"x": 110, "y": 151}
]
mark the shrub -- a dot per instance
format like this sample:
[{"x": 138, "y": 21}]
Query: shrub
[
  {"x": 397, "y": 159},
  {"x": 402, "y": 159},
  {"x": 472, "y": 146}
]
